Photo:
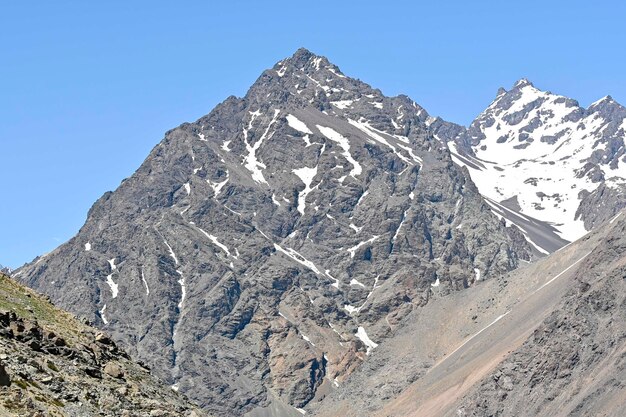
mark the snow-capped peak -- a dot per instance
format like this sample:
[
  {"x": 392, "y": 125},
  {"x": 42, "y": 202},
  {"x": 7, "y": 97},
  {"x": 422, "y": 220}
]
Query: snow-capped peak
[
  {"x": 546, "y": 151},
  {"x": 522, "y": 82}
]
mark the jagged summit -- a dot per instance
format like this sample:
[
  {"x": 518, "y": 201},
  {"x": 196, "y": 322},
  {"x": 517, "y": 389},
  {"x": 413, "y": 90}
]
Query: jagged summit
[
  {"x": 556, "y": 159},
  {"x": 608, "y": 108},
  {"x": 305, "y": 61},
  {"x": 522, "y": 82}
]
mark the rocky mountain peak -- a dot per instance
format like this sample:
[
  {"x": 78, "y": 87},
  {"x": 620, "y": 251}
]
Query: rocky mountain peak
[
  {"x": 607, "y": 108},
  {"x": 522, "y": 83},
  {"x": 557, "y": 152},
  {"x": 304, "y": 60},
  {"x": 281, "y": 238}
]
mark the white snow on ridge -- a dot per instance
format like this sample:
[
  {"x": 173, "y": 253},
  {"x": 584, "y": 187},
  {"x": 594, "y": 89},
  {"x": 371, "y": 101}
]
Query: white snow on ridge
[
  {"x": 87, "y": 246},
  {"x": 102, "y": 316},
  {"x": 183, "y": 291},
  {"x": 293, "y": 254},
  {"x": 334, "y": 284},
  {"x": 345, "y": 145},
  {"x": 145, "y": 283},
  {"x": 306, "y": 175},
  {"x": 217, "y": 186},
  {"x": 537, "y": 147},
  {"x": 342, "y": 104},
  {"x": 297, "y": 124},
  {"x": 214, "y": 240},
  {"x": 360, "y": 200},
  {"x": 362, "y": 335},
  {"x": 187, "y": 188},
  {"x": 306, "y": 338},
  {"x": 113, "y": 286},
  {"x": 353, "y": 249},
  {"x": 112, "y": 264},
  {"x": 252, "y": 164},
  {"x": 351, "y": 309},
  {"x": 172, "y": 254},
  {"x": 395, "y": 235},
  {"x": 355, "y": 282},
  {"x": 372, "y": 133}
]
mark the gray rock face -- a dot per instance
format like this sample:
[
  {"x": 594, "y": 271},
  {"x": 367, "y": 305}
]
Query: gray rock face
[
  {"x": 573, "y": 363},
  {"x": 563, "y": 163},
  {"x": 260, "y": 254}
]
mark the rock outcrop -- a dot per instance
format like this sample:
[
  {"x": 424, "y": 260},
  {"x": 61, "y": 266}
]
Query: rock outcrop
[{"x": 53, "y": 365}]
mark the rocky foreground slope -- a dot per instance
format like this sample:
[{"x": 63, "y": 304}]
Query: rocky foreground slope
[
  {"x": 262, "y": 253},
  {"x": 53, "y": 365}
]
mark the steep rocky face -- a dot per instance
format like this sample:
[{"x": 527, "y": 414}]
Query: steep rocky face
[
  {"x": 51, "y": 364},
  {"x": 260, "y": 254},
  {"x": 543, "y": 155}
]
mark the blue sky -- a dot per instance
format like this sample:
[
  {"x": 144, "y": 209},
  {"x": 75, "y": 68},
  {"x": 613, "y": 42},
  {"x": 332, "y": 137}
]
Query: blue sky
[{"x": 88, "y": 88}]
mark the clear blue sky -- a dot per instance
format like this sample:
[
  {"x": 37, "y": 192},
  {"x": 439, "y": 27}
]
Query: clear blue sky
[{"x": 88, "y": 88}]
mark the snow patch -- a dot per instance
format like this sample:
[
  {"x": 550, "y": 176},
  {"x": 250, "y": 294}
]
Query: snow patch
[
  {"x": 145, "y": 283},
  {"x": 355, "y": 282},
  {"x": 293, "y": 254},
  {"x": 217, "y": 186},
  {"x": 102, "y": 316},
  {"x": 306, "y": 175},
  {"x": 342, "y": 104},
  {"x": 88, "y": 246},
  {"x": 297, "y": 124},
  {"x": 362, "y": 335},
  {"x": 252, "y": 164},
  {"x": 112, "y": 285},
  {"x": 477, "y": 273},
  {"x": 214, "y": 240},
  {"x": 336, "y": 283},
  {"x": 172, "y": 254},
  {"x": 343, "y": 144},
  {"x": 353, "y": 249},
  {"x": 183, "y": 291}
]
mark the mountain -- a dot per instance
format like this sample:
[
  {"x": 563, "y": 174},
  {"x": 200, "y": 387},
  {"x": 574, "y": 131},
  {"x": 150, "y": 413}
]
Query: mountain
[
  {"x": 52, "y": 364},
  {"x": 542, "y": 155},
  {"x": 264, "y": 253},
  {"x": 547, "y": 339}
]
